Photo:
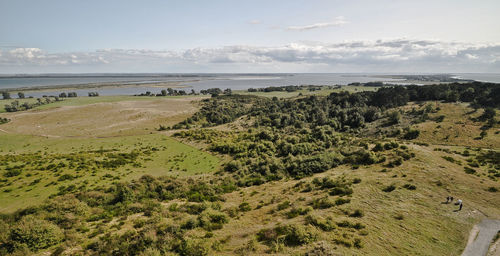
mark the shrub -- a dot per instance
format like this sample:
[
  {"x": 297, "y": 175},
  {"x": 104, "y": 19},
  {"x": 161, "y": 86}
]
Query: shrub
[
  {"x": 322, "y": 203},
  {"x": 378, "y": 147},
  {"x": 357, "y": 243},
  {"x": 191, "y": 223},
  {"x": 12, "y": 173},
  {"x": 151, "y": 252},
  {"x": 391, "y": 145},
  {"x": 469, "y": 170},
  {"x": 35, "y": 233},
  {"x": 396, "y": 162},
  {"x": 357, "y": 214},
  {"x": 342, "y": 241},
  {"x": 295, "y": 235},
  {"x": 4, "y": 120},
  {"x": 493, "y": 189},
  {"x": 347, "y": 224},
  {"x": 292, "y": 235},
  {"x": 322, "y": 223},
  {"x": 440, "y": 118},
  {"x": 283, "y": 205},
  {"x": 449, "y": 159},
  {"x": 340, "y": 191},
  {"x": 399, "y": 216},
  {"x": 483, "y": 134},
  {"x": 389, "y": 188},
  {"x": 244, "y": 207},
  {"x": 190, "y": 247},
  {"x": 65, "y": 177},
  {"x": 250, "y": 246},
  {"x": 294, "y": 212},
  {"x": 341, "y": 201},
  {"x": 411, "y": 134},
  {"x": 393, "y": 117},
  {"x": 321, "y": 248},
  {"x": 211, "y": 219},
  {"x": 410, "y": 186}
]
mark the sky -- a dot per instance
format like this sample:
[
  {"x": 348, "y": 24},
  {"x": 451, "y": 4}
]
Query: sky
[{"x": 76, "y": 36}]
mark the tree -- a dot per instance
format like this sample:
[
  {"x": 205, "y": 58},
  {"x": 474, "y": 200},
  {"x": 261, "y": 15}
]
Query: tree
[
  {"x": 452, "y": 96},
  {"x": 163, "y": 92},
  {"x": 6, "y": 95},
  {"x": 489, "y": 113},
  {"x": 170, "y": 91},
  {"x": 20, "y": 95},
  {"x": 468, "y": 95}
]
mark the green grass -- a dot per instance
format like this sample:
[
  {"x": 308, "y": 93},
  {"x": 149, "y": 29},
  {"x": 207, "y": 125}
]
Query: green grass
[
  {"x": 172, "y": 158},
  {"x": 80, "y": 101},
  {"x": 323, "y": 92}
]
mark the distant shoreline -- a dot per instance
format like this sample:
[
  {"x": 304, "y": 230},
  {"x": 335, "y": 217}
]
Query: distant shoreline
[
  {"x": 157, "y": 80},
  {"x": 124, "y": 84}
]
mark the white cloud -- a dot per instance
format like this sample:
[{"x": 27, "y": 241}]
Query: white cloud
[
  {"x": 403, "y": 55},
  {"x": 338, "y": 21}
]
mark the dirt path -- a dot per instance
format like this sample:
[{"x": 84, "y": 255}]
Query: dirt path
[{"x": 481, "y": 237}]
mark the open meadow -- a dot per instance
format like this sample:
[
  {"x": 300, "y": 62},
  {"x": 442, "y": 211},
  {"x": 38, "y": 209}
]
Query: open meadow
[{"x": 46, "y": 141}]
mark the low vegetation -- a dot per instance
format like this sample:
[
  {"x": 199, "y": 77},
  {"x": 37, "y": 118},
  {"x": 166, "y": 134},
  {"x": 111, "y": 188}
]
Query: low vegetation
[{"x": 346, "y": 173}]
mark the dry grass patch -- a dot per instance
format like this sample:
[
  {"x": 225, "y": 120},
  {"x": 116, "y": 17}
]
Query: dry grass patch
[{"x": 101, "y": 119}]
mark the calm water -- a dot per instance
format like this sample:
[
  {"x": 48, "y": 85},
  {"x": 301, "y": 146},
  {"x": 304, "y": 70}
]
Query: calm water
[
  {"x": 491, "y": 77},
  {"x": 204, "y": 81}
]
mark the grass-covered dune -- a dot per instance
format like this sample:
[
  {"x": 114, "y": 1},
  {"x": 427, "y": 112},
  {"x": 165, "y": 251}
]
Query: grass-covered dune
[{"x": 323, "y": 172}]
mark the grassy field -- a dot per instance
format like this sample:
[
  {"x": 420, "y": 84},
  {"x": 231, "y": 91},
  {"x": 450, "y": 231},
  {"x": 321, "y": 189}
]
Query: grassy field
[
  {"x": 458, "y": 127},
  {"x": 164, "y": 156},
  {"x": 323, "y": 92},
  {"x": 101, "y": 116},
  {"x": 80, "y": 101},
  {"x": 75, "y": 127}
]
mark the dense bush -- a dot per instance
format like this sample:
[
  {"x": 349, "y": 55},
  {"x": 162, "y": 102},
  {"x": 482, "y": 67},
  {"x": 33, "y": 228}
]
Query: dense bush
[
  {"x": 411, "y": 134},
  {"x": 35, "y": 233},
  {"x": 389, "y": 188},
  {"x": 292, "y": 235},
  {"x": 4, "y": 120},
  {"x": 191, "y": 247},
  {"x": 324, "y": 224},
  {"x": 15, "y": 106},
  {"x": 211, "y": 219}
]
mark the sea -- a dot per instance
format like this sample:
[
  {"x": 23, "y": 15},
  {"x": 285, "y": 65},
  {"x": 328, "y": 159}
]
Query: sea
[{"x": 131, "y": 84}]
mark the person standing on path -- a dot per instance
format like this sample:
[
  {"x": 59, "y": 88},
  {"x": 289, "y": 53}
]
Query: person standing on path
[{"x": 459, "y": 202}]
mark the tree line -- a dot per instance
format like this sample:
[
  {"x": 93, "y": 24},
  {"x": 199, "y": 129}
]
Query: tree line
[{"x": 15, "y": 106}]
